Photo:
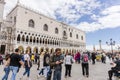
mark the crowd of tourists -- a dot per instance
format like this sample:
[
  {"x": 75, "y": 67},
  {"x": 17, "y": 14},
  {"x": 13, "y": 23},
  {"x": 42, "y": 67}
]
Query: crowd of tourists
[{"x": 52, "y": 63}]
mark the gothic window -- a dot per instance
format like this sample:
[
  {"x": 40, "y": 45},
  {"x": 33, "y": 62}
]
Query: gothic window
[
  {"x": 34, "y": 40},
  {"x": 43, "y": 41},
  {"x": 56, "y": 30},
  {"x": 70, "y": 34},
  {"x": 23, "y": 38},
  {"x": 18, "y": 37},
  {"x": 14, "y": 19},
  {"x": 30, "y": 38},
  {"x": 40, "y": 40},
  {"x": 27, "y": 39},
  {"x": 45, "y": 27},
  {"x": 81, "y": 37},
  {"x": 37, "y": 40},
  {"x": 64, "y": 33},
  {"x": 76, "y": 36},
  {"x": 53, "y": 42},
  {"x": 48, "y": 41},
  {"x": 31, "y": 23}
]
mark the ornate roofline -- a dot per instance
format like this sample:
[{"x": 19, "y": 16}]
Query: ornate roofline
[{"x": 39, "y": 13}]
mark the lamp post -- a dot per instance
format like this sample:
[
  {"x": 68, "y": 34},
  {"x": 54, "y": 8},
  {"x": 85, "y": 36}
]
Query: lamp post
[
  {"x": 100, "y": 45},
  {"x": 111, "y": 43}
]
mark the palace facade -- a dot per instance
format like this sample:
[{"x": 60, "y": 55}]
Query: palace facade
[{"x": 36, "y": 32}]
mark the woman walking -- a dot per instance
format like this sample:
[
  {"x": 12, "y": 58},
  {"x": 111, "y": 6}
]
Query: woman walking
[
  {"x": 7, "y": 68},
  {"x": 68, "y": 65},
  {"x": 28, "y": 65},
  {"x": 85, "y": 65}
]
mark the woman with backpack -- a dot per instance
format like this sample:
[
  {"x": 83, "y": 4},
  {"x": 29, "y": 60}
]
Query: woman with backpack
[
  {"x": 27, "y": 64},
  {"x": 68, "y": 64},
  {"x": 85, "y": 64}
]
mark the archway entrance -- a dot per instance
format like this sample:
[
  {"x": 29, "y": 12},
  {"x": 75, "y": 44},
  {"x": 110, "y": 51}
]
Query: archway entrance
[
  {"x": 35, "y": 50},
  {"x": 52, "y": 50},
  {"x": 21, "y": 49},
  {"x": 66, "y": 51},
  {"x": 47, "y": 49},
  {"x": 29, "y": 49}
]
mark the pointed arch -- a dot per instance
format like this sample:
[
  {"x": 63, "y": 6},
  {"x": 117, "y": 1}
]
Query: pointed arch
[
  {"x": 37, "y": 40},
  {"x": 18, "y": 37},
  {"x": 27, "y": 39},
  {"x": 40, "y": 40},
  {"x": 45, "y": 27},
  {"x": 30, "y": 38},
  {"x": 34, "y": 39},
  {"x": 56, "y": 31},
  {"x": 23, "y": 38},
  {"x": 53, "y": 42},
  {"x": 31, "y": 23}
]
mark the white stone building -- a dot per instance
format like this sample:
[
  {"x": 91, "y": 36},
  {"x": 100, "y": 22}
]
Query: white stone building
[{"x": 36, "y": 32}]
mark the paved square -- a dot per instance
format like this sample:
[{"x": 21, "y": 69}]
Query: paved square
[{"x": 97, "y": 72}]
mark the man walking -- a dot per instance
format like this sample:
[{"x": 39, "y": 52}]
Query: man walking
[
  {"x": 56, "y": 61},
  {"x": 46, "y": 60},
  {"x": 15, "y": 62}
]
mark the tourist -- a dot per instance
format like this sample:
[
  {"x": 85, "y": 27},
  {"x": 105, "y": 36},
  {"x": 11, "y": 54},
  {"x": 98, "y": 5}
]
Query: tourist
[
  {"x": 15, "y": 62},
  {"x": 32, "y": 58},
  {"x": 36, "y": 58},
  {"x": 115, "y": 69},
  {"x": 28, "y": 65},
  {"x": 1, "y": 60},
  {"x": 85, "y": 64},
  {"x": 93, "y": 56},
  {"x": 68, "y": 64},
  {"x": 46, "y": 65},
  {"x": 6, "y": 68},
  {"x": 103, "y": 58},
  {"x": 38, "y": 63},
  {"x": 57, "y": 61}
]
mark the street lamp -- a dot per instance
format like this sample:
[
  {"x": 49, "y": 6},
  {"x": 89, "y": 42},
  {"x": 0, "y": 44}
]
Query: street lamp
[
  {"x": 111, "y": 43},
  {"x": 100, "y": 45}
]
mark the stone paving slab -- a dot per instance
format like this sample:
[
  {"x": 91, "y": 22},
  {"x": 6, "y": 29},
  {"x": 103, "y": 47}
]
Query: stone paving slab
[{"x": 97, "y": 72}]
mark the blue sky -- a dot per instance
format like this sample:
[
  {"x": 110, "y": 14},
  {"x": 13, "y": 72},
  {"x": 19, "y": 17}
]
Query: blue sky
[{"x": 99, "y": 18}]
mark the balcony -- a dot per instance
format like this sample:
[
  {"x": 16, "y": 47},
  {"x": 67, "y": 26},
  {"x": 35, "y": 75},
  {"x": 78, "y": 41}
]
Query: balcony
[{"x": 65, "y": 37}]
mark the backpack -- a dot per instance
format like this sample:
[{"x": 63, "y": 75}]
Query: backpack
[{"x": 85, "y": 58}]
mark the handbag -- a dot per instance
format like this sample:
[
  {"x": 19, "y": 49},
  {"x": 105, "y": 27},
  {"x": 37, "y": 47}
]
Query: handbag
[
  {"x": 26, "y": 64},
  {"x": 71, "y": 60}
]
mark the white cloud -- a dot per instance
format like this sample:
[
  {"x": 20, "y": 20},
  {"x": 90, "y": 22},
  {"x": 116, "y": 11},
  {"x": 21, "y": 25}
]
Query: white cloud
[
  {"x": 110, "y": 19},
  {"x": 72, "y": 10},
  {"x": 111, "y": 10},
  {"x": 89, "y": 26}
]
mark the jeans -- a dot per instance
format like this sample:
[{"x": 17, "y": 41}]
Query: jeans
[
  {"x": 7, "y": 70},
  {"x": 68, "y": 70},
  {"x": 14, "y": 72},
  {"x": 110, "y": 73},
  {"x": 27, "y": 71},
  {"x": 46, "y": 70},
  {"x": 41, "y": 71},
  {"x": 85, "y": 69},
  {"x": 57, "y": 75}
]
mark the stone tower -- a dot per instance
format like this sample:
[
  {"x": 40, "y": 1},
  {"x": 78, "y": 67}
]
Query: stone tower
[{"x": 2, "y": 3}]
